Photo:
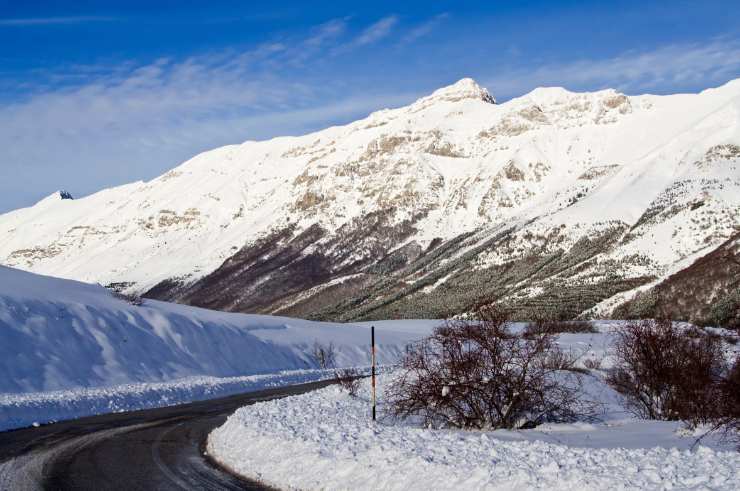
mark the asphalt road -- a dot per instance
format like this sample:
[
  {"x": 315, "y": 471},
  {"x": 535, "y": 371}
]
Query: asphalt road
[{"x": 154, "y": 449}]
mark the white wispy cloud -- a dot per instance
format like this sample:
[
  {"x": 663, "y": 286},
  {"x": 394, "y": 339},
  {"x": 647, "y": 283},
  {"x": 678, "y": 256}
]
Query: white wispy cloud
[
  {"x": 326, "y": 32},
  {"x": 116, "y": 124},
  {"x": 376, "y": 31},
  {"x": 424, "y": 28},
  {"x": 39, "y": 21},
  {"x": 370, "y": 35},
  {"x": 671, "y": 66}
]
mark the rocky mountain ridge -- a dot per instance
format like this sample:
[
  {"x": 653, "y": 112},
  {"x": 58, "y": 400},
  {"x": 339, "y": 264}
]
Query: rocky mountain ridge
[{"x": 555, "y": 203}]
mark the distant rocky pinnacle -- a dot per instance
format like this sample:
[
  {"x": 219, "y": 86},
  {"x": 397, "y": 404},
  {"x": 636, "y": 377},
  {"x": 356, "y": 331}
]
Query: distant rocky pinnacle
[
  {"x": 465, "y": 88},
  {"x": 554, "y": 204}
]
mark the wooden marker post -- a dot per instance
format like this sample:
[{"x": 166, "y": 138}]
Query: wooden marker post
[{"x": 372, "y": 344}]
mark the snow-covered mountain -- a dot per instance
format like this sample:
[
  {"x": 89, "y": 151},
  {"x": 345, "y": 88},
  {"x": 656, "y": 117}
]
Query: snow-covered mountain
[{"x": 556, "y": 202}]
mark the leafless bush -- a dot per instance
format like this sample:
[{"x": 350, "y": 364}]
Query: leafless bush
[
  {"x": 556, "y": 327},
  {"x": 665, "y": 374},
  {"x": 698, "y": 332},
  {"x": 481, "y": 375},
  {"x": 130, "y": 298},
  {"x": 324, "y": 355},
  {"x": 349, "y": 379},
  {"x": 728, "y": 419},
  {"x": 592, "y": 363},
  {"x": 733, "y": 340},
  {"x": 694, "y": 332},
  {"x": 558, "y": 359}
]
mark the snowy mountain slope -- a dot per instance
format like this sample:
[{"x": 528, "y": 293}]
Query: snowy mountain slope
[
  {"x": 707, "y": 290},
  {"x": 553, "y": 201},
  {"x": 59, "y": 334}
]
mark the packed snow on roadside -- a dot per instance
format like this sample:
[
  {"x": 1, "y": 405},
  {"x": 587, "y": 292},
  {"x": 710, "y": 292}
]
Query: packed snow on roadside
[
  {"x": 21, "y": 410},
  {"x": 71, "y": 349},
  {"x": 325, "y": 440}
]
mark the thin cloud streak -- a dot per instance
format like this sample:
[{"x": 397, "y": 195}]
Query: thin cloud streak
[
  {"x": 370, "y": 35},
  {"x": 676, "y": 65},
  {"x": 41, "y": 21},
  {"x": 131, "y": 121},
  {"x": 377, "y": 31},
  {"x": 425, "y": 28},
  {"x": 326, "y": 32}
]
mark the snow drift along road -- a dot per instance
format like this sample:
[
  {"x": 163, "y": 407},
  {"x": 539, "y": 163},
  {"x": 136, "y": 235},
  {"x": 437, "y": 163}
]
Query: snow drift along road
[{"x": 62, "y": 335}]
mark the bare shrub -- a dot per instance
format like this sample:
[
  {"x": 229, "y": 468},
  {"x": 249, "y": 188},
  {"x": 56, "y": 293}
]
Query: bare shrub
[
  {"x": 733, "y": 340},
  {"x": 592, "y": 363},
  {"x": 728, "y": 419},
  {"x": 556, "y": 327},
  {"x": 558, "y": 359},
  {"x": 324, "y": 355},
  {"x": 697, "y": 332},
  {"x": 694, "y": 332},
  {"x": 349, "y": 379},
  {"x": 665, "y": 374},
  {"x": 479, "y": 374}
]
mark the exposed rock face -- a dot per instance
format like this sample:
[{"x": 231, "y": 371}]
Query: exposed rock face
[{"x": 555, "y": 203}]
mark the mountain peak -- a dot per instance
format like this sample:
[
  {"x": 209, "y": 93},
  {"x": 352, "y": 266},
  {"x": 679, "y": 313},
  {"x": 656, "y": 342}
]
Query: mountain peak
[
  {"x": 549, "y": 93},
  {"x": 350, "y": 212},
  {"x": 465, "y": 88}
]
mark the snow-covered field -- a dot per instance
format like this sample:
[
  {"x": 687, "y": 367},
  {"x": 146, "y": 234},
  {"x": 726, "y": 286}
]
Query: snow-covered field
[
  {"x": 70, "y": 349},
  {"x": 325, "y": 440}
]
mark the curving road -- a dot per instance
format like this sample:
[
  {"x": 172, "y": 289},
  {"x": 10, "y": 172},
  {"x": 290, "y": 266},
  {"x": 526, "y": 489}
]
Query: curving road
[{"x": 152, "y": 449}]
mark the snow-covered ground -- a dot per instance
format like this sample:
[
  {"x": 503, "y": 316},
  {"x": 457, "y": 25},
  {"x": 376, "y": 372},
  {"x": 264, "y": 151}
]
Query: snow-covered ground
[
  {"x": 70, "y": 349},
  {"x": 21, "y": 410},
  {"x": 325, "y": 440}
]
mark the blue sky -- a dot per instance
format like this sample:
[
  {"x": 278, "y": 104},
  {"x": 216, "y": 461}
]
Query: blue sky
[{"x": 94, "y": 94}]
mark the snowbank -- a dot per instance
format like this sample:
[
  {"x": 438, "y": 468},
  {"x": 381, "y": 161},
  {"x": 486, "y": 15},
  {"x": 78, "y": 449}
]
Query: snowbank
[
  {"x": 325, "y": 440},
  {"x": 62, "y": 335},
  {"x": 21, "y": 410}
]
